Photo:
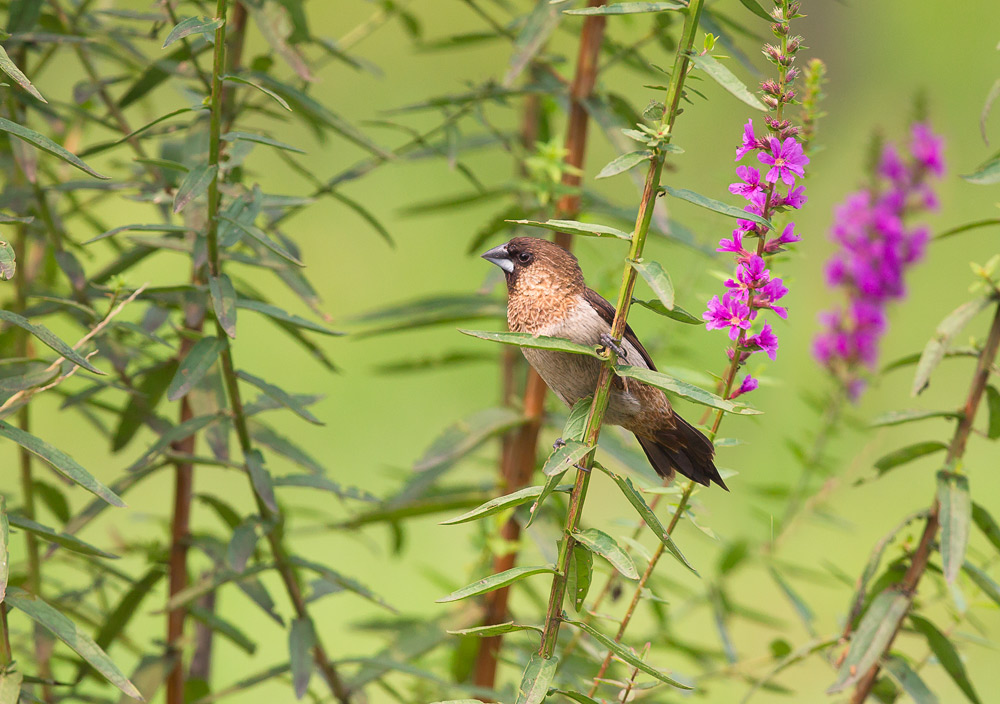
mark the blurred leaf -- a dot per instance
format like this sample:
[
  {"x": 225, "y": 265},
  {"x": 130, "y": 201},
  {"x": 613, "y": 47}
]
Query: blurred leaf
[
  {"x": 192, "y": 25},
  {"x": 314, "y": 481},
  {"x": 800, "y": 606},
  {"x": 66, "y": 631},
  {"x": 495, "y": 629},
  {"x": 431, "y": 311},
  {"x": 535, "y": 681},
  {"x": 721, "y": 74},
  {"x": 196, "y": 182},
  {"x": 872, "y": 637},
  {"x": 224, "y": 628},
  {"x": 494, "y": 581},
  {"x": 575, "y": 696},
  {"x": 224, "y": 302},
  {"x": 539, "y": 342},
  {"x": 114, "y": 623},
  {"x": 196, "y": 364},
  {"x": 264, "y": 435},
  {"x": 174, "y": 434},
  {"x": 49, "y": 339},
  {"x": 647, "y": 515},
  {"x": 61, "y": 462},
  {"x": 908, "y": 416},
  {"x": 4, "y": 549},
  {"x": 261, "y": 479},
  {"x": 577, "y": 228},
  {"x": 565, "y": 457},
  {"x": 551, "y": 485},
  {"x": 951, "y": 231},
  {"x": 677, "y": 313},
  {"x": 956, "y": 515},
  {"x": 10, "y": 687},
  {"x": 627, "y": 8},
  {"x": 281, "y": 316},
  {"x": 266, "y": 91},
  {"x": 28, "y": 380},
  {"x": 501, "y": 503},
  {"x": 908, "y": 454},
  {"x": 907, "y": 678},
  {"x": 988, "y": 173},
  {"x": 993, "y": 402},
  {"x": 150, "y": 390},
  {"x": 462, "y": 438},
  {"x": 260, "y": 139},
  {"x": 301, "y": 640},
  {"x": 342, "y": 581},
  {"x": 279, "y": 395},
  {"x": 947, "y": 329},
  {"x": 260, "y": 236},
  {"x": 67, "y": 541},
  {"x": 716, "y": 205},
  {"x": 946, "y": 655},
  {"x": 625, "y": 654},
  {"x": 983, "y": 581},
  {"x": 532, "y": 37},
  {"x": 242, "y": 544},
  {"x": 47, "y": 145},
  {"x": 581, "y": 575},
  {"x": 984, "y": 521},
  {"x": 625, "y": 162},
  {"x": 156, "y": 227},
  {"x": 683, "y": 389},
  {"x": 755, "y": 8},
  {"x": 600, "y": 543},
  {"x": 365, "y": 215},
  {"x": 8, "y": 263},
  {"x": 658, "y": 280}
]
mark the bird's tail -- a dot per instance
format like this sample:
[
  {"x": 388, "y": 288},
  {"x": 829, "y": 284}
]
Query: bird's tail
[{"x": 684, "y": 449}]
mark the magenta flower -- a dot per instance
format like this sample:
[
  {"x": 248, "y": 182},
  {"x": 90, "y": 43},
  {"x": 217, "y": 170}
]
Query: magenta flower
[
  {"x": 730, "y": 313},
  {"x": 785, "y": 159},
  {"x": 787, "y": 236},
  {"x": 748, "y": 384},
  {"x": 794, "y": 199},
  {"x": 749, "y": 141},
  {"x": 750, "y": 178},
  {"x": 733, "y": 244},
  {"x": 928, "y": 149},
  {"x": 765, "y": 341}
]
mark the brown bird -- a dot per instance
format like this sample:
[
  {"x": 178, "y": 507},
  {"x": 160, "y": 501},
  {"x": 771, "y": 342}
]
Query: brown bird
[{"x": 546, "y": 295}]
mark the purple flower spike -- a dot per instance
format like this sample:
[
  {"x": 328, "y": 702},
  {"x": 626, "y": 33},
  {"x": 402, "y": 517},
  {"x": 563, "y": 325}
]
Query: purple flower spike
[
  {"x": 730, "y": 313},
  {"x": 749, "y": 141},
  {"x": 928, "y": 149},
  {"x": 733, "y": 244},
  {"x": 765, "y": 341},
  {"x": 750, "y": 178},
  {"x": 749, "y": 384},
  {"x": 785, "y": 159}
]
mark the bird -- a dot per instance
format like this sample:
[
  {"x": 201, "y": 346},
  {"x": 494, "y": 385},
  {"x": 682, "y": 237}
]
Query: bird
[{"x": 547, "y": 296}]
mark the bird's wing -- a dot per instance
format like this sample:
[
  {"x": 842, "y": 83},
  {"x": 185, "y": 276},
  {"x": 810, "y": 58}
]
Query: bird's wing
[{"x": 607, "y": 313}]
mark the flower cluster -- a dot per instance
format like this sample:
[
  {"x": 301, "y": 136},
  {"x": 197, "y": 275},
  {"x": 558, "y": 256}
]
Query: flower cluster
[{"x": 875, "y": 250}]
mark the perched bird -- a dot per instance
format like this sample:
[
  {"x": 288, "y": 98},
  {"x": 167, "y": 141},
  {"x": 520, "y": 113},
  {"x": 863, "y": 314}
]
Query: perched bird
[{"x": 546, "y": 295}]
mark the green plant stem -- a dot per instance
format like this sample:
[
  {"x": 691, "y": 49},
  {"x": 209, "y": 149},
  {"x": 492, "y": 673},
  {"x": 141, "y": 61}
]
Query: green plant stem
[
  {"x": 956, "y": 450},
  {"x": 599, "y": 405}
]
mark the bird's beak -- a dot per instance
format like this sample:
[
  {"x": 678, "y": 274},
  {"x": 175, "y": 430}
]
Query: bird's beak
[{"x": 499, "y": 256}]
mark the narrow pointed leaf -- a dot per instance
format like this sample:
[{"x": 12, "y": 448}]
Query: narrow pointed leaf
[
  {"x": 721, "y": 74},
  {"x": 683, "y": 389},
  {"x": 983, "y": 581},
  {"x": 538, "y": 342},
  {"x": 755, "y": 8},
  {"x": 11, "y": 69},
  {"x": 551, "y": 485},
  {"x": 872, "y": 637},
  {"x": 677, "y": 313},
  {"x": 993, "y": 403},
  {"x": 224, "y": 628},
  {"x": 194, "y": 184},
  {"x": 196, "y": 364},
  {"x": 985, "y": 175},
  {"x": 798, "y": 603},
  {"x": 575, "y": 696},
  {"x": 61, "y": 462},
  {"x": 301, "y": 640},
  {"x": 495, "y": 630},
  {"x": 342, "y": 581},
  {"x": 48, "y": 338},
  {"x": 946, "y": 655},
  {"x": 266, "y": 91},
  {"x": 716, "y": 205},
  {"x": 495, "y": 581},
  {"x": 627, "y": 8},
  {"x": 66, "y": 631},
  {"x": 625, "y": 162},
  {"x": 47, "y": 145},
  {"x": 282, "y": 316},
  {"x": 313, "y": 481},
  {"x": 535, "y": 681},
  {"x": 465, "y": 436},
  {"x": 908, "y": 416},
  {"x": 224, "y": 302},
  {"x": 531, "y": 38},
  {"x": 242, "y": 544},
  {"x": 946, "y": 331},
  {"x": 984, "y": 521},
  {"x": 565, "y": 457},
  {"x": 261, "y": 479},
  {"x": 501, "y": 503},
  {"x": 192, "y": 25},
  {"x": 956, "y": 518},
  {"x": 908, "y": 454},
  {"x": 908, "y": 680},
  {"x": 260, "y": 139},
  {"x": 658, "y": 280},
  {"x": 279, "y": 395},
  {"x": 625, "y": 654},
  {"x": 10, "y": 687},
  {"x": 581, "y": 575},
  {"x": 259, "y": 235},
  {"x": 577, "y": 228},
  {"x": 600, "y": 543},
  {"x": 70, "y": 542},
  {"x": 155, "y": 227}
]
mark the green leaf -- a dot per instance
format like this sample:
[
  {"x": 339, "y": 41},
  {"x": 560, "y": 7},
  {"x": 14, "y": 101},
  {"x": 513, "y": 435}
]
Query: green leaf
[
  {"x": 908, "y": 454},
  {"x": 535, "y": 681},
  {"x": 281, "y": 396},
  {"x": 283, "y": 317},
  {"x": 755, "y": 8},
  {"x": 224, "y": 628},
  {"x": 8, "y": 262},
  {"x": 908, "y": 680},
  {"x": 192, "y": 25},
  {"x": 495, "y": 581},
  {"x": 224, "y": 302},
  {"x": 196, "y": 364},
  {"x": 61, "y": 462},
  {"x": 126, "y": 609},
  {"x": 716, "y": 205},
  {"x": 98, "y": 148},
  {"x": 575, "y": 696},
  {"x": 494, "y": 630},
  {"x": 721, "y": 74},
  {"x": 260, "y": 139},
  {"x": 872, "y": 637},
  {"x": 625, "y": 654},
  {"x": 11, "y": 69},
  {"x": 538, "y": 342},
  {"x": 531, "y": 38},
  {"x": 625, "y": 162},
  {"x": 4, "y": 549},
  {"x": 983, "y": 581},
  {"x": 984, "y": 521},
  {"x": 647, "y": 515},
  {"x": 956, "y": 515},
  {"x": 576, "y": 422},
  {"x": 314, "y": 481},
  {"x": 156, "y": 227},
  {"x": 28, "y": 380},
  {"x": 565, "y": 457},
  {"x": 987, "y": 174},
  {"x": 993, "y": 403},
  {"x": 66, "y": 631},
  {"x": 800, "y": 606},
  {"x": 261, "y": 479},
  {"x": 195, "y": 182},
  {"x": 342, "y": 581},
  {"x": 683, "y": 389},
  {"x": 908, "y": 416},
  {"x": 678, "y": 313},
  {"x": 50, "y": 340},
  {"x": 242, "y": 544},
  {"x": 658, "y": 280},
  {"x": 581, "y": 575},
  {"x": 501, "y": 503},
  {"x": 256, "y": 233},
  {"x": 600, "y": 543},
  {"x": 936, "y": 347},
  {"x": 628, "y": 8},
  {"x": 577, "y": 228},
  {"x": 946, "y": 655},
  {"x": 266, "y": 91},
  {"x": 462, "y": 438},
  {"x": 68, "y": 541},
  {"x": 10, "y": 687},
  {"x": 301, "y": 640}
]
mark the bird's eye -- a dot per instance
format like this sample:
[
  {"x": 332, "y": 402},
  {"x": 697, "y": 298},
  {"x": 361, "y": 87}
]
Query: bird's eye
[{"x": 524, "y": 257}]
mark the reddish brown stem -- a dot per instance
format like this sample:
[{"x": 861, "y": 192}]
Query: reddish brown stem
[{"x": 918, "y": 563}]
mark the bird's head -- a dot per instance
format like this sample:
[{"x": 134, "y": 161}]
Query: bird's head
[{"x": 532, "y": 264}]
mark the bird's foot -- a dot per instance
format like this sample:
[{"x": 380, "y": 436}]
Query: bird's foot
[
  {"x": 610, "y": 343},
  {"x": 559, "y": 443}
]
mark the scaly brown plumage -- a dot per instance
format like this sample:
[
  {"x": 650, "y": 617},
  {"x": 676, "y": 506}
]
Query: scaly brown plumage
[{"x": 547, "y": 295}]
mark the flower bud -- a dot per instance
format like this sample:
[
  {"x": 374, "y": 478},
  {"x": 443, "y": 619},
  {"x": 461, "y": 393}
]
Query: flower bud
[
  {"x": 770, "y": 101},
  {"x": 770, "y": 87},
  {"x": 780, "y": 30},
  {"x": 772, "y": 52},
  {"x": 791, "y": 74},
  {"x": 793, "y": 44}
]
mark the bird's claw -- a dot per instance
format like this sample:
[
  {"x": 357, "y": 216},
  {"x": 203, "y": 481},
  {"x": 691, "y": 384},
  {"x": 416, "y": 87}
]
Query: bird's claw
[
  {"x": 610, "y": 343},
  {"x": 559, "y": 443}
]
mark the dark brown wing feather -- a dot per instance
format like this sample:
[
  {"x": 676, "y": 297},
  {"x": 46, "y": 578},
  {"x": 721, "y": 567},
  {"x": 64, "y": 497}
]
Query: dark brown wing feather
[{"x": 607, "y": 313}]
